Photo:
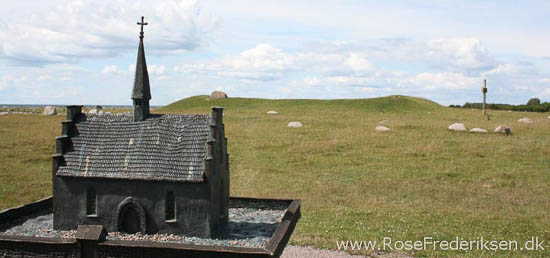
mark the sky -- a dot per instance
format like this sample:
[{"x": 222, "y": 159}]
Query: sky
[{"x": 84, "y": 52}]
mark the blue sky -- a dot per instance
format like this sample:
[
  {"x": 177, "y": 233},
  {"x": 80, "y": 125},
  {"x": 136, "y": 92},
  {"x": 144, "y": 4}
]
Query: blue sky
[{"x": 84, "y": 52}]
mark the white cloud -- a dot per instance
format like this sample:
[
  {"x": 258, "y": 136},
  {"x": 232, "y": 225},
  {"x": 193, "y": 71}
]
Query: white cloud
[
  {"x": 44, "y": 77},
  {"x": 158, "y": 72},
  {"x": 343, "y": 63},
  {"x": 64, "y": 68},
  {"x": 506, "y": 69},
  {"x": 444, "y": 80},
  {"x": 111, "y": 69},
  {"x": 349, "y": 67},
  {"x": 8, "y": 81},
  {"x": 312, "y": 81},
  {"x": 455, "y": 54},
  {"x": 87, "y": 28},
  {"x": 425, "y": 82},
  {"x": 359, "y": 64},
  {"x": 337, "y": 81},
  {"x": 261, "y": 63},
  {"x": 156, "y": 69},
  {"x": 263, "y": 57},
  {"x": 5, "y": 82},
  {"x": 462, "y": 53},
  {"x": 267, "y": 63}
]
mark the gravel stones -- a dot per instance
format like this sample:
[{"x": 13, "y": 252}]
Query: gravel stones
[
  {"x": 247, "y": 227},
  {"x": 306, "y": 251}
]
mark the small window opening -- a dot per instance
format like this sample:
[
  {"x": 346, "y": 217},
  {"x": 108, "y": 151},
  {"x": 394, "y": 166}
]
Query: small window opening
[
  {"x": 170, "y": 206},
  {"x": 91, "y": 202}
]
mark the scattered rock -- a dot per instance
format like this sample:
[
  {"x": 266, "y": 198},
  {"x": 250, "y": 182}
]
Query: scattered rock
[
  {"x": 271, "y": 112},
  {"x": 93, "y": 111},
  {"x": 295, "y": 125},
  {"x": 503, "y": 129},
  {"x": 548, "y": 117},
  {"x": 383, "y": 122},
  {"x": 49, "y": 111},
  {"x": 525, "y": 120},
  {"x": 478, "y": 130},
  {"x": 458, "y": 127},
  {"x": 382, "y": 129},
  {"x": 218, "y": 95},
  {"x": 5, "y": 113}
]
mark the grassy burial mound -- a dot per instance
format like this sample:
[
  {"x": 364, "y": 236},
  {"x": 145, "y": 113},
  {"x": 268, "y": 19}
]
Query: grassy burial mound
[{"x": 417, "y": 180}]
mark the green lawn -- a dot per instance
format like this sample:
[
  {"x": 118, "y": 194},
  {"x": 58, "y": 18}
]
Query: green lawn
[{"x": 419, "y": 180}]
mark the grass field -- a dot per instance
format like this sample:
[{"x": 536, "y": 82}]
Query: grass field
[{"x": 419, "y": 180}]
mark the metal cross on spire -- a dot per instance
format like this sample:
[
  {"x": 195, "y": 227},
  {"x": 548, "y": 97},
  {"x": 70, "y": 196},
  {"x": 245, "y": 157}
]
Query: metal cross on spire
[{"x": 142, "y": 23}]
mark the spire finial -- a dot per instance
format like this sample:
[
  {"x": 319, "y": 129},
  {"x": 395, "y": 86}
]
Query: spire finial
[
  {"x": 141, "y": 94},
  {"x": 142, "y": 23}
]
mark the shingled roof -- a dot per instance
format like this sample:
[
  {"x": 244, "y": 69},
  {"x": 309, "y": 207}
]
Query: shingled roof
[{"x": 162, "y": 147}]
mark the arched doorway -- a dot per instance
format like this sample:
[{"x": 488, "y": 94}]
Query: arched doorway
[
  {"x": 129, "y": 220},
  {"x": 131, "y": 217}
]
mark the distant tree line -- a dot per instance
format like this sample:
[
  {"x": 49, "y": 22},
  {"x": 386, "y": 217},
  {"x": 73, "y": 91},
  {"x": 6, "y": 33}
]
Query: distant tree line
[{"x": 533, "y": 105}]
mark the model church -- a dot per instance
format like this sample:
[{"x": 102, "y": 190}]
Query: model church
[{"x": 142, "y": 172}]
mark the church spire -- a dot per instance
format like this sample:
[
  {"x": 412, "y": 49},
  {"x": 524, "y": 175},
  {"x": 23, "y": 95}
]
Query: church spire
[{"x": 141, "y": 93}]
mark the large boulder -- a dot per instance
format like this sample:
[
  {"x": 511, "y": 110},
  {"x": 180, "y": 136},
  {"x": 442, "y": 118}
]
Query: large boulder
[
  {"x": 457, "y": 127},
  {"x": 93, "y": 111},
  {"x": 3, "y": 113},
  {"x": 271, "y": 112},
  {"x": 381, "y": 128},
  {"x": 503, "y": 129},
  {"x": 525, "y": 120},
  {"x": 49, "y": 111},
  {"x": 295, "y": 125},
  {"x": 478, "y": 130},
  {"x": 218, "y": 95}
]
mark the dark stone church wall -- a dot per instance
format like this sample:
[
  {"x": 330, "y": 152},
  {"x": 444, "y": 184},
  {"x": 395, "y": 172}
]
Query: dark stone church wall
[
  {"x": 218, "y": 175},
  {"x": 192, "y": 204}
]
